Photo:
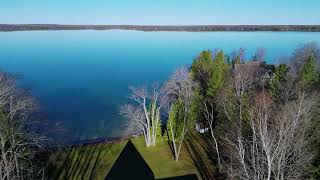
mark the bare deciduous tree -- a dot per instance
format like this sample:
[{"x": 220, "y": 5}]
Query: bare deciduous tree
[
  {"x": 209, "y": 114},
  {"x": 301, "y": 54},
  {"x": 146, "y": 118},
  {"x": 238, "y": 56},
  {"x": 278, "y": 145},
  {"x": 233, "y": 102},
  {"x": 260, "y": 54},
  {"x": 18, "y": 139}
]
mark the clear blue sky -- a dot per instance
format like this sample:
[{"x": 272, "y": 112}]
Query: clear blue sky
[{"x": 160, "y": 12}]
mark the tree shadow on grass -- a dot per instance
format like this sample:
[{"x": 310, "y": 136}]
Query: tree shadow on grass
[
  {"x": 76, "y": 163},
  {"x": 82, "y": 160},
  {"x": 95, "y": 162},
  {"x": 56, "y": 173},
  {"x": 200, "y": 150},
  {"x": 207, "y": 144},
  {"x": 84, "y": 169},
  {"x": 75, "y": 166}
]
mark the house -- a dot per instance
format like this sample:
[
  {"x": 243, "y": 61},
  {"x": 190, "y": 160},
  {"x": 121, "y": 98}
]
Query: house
[
  {"x": 201, "y": 127},
  {"x": 252, "y": 69}
]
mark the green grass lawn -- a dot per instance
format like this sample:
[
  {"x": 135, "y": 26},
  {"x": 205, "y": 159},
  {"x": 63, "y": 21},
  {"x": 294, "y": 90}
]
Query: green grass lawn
[
  {"x": 161, "y": 161},
  {"x": 95, "y": 161}
]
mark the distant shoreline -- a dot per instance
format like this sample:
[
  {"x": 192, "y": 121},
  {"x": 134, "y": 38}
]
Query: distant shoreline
[{"x": 154, "y": 28}]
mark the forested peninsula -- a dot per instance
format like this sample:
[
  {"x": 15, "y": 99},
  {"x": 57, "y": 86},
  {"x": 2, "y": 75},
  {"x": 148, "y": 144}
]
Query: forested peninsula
[{"x": 188, "y": 28}]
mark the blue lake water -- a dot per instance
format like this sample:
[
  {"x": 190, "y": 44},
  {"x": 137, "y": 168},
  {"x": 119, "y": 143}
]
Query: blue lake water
[{"x": 80, "y": 78}]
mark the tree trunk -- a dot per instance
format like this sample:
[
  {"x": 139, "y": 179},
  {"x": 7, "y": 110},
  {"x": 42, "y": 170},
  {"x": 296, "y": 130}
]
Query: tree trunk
[
  {"x": 217, "y": 148},
  {"x": 153, "y": 123},
  {"x": 173, "y": 141},
  {"x": 145, "y": 136},
  {"x": 180, "y": 145},
  {"x": 148, "y": 123},
  {"x": 156, "y": 125},
  {"x": 183, "y": 133}
]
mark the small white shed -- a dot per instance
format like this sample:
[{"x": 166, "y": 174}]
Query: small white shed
[{"x": 201, "y": 128}]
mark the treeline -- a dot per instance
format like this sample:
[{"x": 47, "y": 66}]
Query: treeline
[
  {"x": 264, "y": 120},
  {"x": 191, "y": 28}
]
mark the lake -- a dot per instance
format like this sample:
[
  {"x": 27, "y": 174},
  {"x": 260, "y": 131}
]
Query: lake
[{"x": 80, "y": 78}]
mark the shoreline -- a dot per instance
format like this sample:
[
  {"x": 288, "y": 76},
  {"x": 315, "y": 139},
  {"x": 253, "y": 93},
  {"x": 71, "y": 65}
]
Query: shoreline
[
  {"x": 156, "y": 28},
  {"x": 101, "y": 140}
]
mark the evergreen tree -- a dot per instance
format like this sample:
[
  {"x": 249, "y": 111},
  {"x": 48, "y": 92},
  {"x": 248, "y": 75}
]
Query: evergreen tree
[
  {"x": 278, "y": 84},
  {"x": 218, "y": 74},
  {"x": 309, "y": 72},
  {"x": 159, "y": 129},
  {"x": 175, "y": 120},
  {"x": 201, "y": 69}
]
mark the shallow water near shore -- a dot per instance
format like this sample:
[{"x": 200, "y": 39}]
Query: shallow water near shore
[{"x": 80, "y": 78}]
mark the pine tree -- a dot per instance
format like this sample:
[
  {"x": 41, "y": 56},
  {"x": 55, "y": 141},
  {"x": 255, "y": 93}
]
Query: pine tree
[
  {"x": 218, "y": 74},
  {"x": 309, "y": 72},
  {"x": 175, "y": 120},
  {"x": 277, "y": 84}
]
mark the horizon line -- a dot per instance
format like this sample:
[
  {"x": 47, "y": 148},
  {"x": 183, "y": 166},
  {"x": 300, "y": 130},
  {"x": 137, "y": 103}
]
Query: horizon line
[{"x": 160, "y": 24}]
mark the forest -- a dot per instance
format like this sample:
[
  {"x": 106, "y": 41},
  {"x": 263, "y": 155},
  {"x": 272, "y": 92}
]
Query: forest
[{"x": 263, "y": 119}]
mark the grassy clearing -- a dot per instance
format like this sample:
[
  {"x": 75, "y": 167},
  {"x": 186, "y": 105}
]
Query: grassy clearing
[
  {"x": 161, "y": 160},
  {"x": 95, "y": 161}
]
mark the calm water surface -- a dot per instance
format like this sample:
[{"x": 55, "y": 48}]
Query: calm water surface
[{"x": 81, "y": 77}]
